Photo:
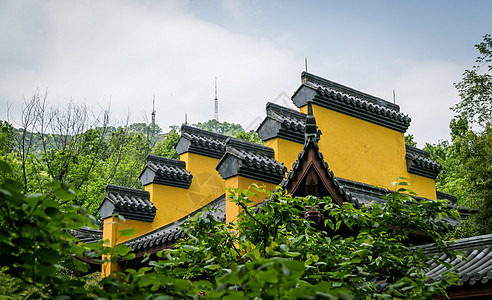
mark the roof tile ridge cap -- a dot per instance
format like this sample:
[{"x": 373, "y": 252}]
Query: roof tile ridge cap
[
  {"x": 343, "y": 97},
  {"x": 475, "y": 242},
  {"x": 126, "y": 191},
  {"x": 323, "y": 82},
  {"x": 364, "y": 185},
  {"x": 417, "y": 150},
  {"x": 284, "y": 111},
  {"x": 203, "y": 133},
  {"x": 246, "y": 146},
  {"x": 166, "y": 161}
]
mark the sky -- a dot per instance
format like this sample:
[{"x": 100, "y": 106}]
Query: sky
[{"x": 122, "y": 54}]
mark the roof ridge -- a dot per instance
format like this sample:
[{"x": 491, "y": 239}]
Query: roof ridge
[
  {"x": 247, "y": 146},
  {"x": 111, "y": 188},
  {"x": 284, "y": 111},
  {"x": 166, "y": 161},
  {"x": 203, "y": 132},
  {"x": 307, "y": 78}
]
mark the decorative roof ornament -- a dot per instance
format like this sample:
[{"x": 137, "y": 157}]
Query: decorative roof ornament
[{"x": 311, "y": 131}]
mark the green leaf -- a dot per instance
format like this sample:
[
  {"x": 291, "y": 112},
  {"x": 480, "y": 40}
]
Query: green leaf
[
  {"x": 5, "y": 167},
  {"x": 128, "y": 232}
]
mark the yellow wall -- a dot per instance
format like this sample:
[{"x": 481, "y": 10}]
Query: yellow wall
[
  {"x": 363, "y": 151},
  {"x": 241, "y": 183},
  {"x": 285, "y": 151},
  {"x": 173, "y": 203}
]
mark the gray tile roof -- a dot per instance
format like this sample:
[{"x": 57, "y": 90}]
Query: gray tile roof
[
  {"x": 349, "y": 101},
  {"x": 130, "y": 203},
  {"x": 282, "y": 122},
  {"x": 419, "y": 162},
  {"x": 475, "y": 269},
  {"x": 250, "y": 160},
  {"x": 87, "y": 234},
  {"x": 201, "y": 142},
  {"x": 167, "y": 235},
  {"x": 165, "y": 171}
]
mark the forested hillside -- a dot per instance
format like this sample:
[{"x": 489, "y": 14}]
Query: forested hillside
[{"x": 86, "y": 149}]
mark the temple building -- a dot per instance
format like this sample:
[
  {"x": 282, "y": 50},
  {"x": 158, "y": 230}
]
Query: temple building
[{"x": 341, "y": 143}]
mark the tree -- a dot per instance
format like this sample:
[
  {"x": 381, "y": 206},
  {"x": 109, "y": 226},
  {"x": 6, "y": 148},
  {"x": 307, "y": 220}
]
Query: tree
[
  {"x": 251, "y": 136},
  {"x": 166, "y": 147},
  {"x": 409, "y": 140},
  {"x": 225, "y": 128},
  {"x": 475, "y": 89},
  {"x": 466, "y": 160},
  {"x": 6, "y": 137},
  {"x": 74, "y": 144}
]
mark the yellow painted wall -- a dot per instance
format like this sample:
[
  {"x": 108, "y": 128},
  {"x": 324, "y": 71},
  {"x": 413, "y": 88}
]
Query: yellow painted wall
[
  {"x": 363, "y": 151},
  {"x": 241, "y": 183},
  {"x": 174, "y": 203},
  {"x": 285, "y": 151}
]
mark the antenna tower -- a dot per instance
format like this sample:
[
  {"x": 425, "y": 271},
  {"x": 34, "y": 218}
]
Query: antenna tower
[
  {"x": 216, "y": 101},
  {"x": 153, "y": 109}
]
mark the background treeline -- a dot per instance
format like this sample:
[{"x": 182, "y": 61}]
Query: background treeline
[{"x": 87, "y": 149}]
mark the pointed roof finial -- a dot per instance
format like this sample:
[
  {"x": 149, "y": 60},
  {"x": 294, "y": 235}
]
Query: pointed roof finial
[{"x": 311, "y": 128}]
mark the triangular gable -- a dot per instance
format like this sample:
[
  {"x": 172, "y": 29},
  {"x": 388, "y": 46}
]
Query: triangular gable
[{"x": 310, "y": 174}]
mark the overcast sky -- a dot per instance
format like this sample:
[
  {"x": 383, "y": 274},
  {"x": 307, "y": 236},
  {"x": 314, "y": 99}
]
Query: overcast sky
[{"x": 124, "y": 52}]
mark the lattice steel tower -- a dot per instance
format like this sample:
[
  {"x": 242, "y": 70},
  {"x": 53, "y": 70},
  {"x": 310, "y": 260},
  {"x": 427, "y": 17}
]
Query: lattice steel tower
[{"x": 216, "y": 100}]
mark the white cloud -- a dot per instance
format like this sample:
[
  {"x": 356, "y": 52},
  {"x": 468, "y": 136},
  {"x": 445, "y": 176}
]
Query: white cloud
[{"x": 128, "y": 52}]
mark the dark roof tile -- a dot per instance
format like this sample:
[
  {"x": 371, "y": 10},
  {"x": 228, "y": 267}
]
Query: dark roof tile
[
  {"x": 201, "y": 142},
  {"x": 165, "y": 171},
  {"x": 282, "y": 122},
  {"x": 346, "y": 100},
  {"x": 250, "y": 160},
  {"x": 475, "y": 269},
  {"x": 419, "y": 162},
  {"x": 130, "y": 203}
]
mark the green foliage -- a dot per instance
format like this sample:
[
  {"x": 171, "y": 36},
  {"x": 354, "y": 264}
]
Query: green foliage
[
  {"x": 6, "y": 137},
  {"x": 409, "y": 140},
  {"x": 466, "y": 160},
  {"x": 166, "y": 147},
  {"x": 271, "y": 252},
  {"x": 275, "y": 253},
  {"x": 225, "y": 128},
  {"x": 476, "y": 154},
  {"x": 475, "y": 89},
  {"x": 251, "y": 136}
]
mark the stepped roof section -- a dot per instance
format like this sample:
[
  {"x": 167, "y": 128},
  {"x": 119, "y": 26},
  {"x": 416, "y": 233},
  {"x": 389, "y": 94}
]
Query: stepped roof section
[
  {"x": 130, "y": 203},
  {"x": 166, "y": 171},
  {"x": 166, "y": 236},
  {"x": 475, "y": 270},
  {"x": 348, "y": 101},
  {"x": 282, "y": 122},
  {"x": 250, "y": 160},
  {"x": 201, "y": 142},
  {"x": 419, "y": 162}
]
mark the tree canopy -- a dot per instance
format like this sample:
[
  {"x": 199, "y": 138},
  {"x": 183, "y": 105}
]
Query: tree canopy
[{"x": 467, "y": 158}]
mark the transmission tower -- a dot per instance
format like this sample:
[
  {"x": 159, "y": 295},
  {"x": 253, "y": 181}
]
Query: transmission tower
[{"x": 216, "y": 100}]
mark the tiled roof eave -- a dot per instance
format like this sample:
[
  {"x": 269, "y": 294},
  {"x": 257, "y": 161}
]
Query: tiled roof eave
[
  {"x": 214, "y": 153},
  {"x": 400, "y": 123}
]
